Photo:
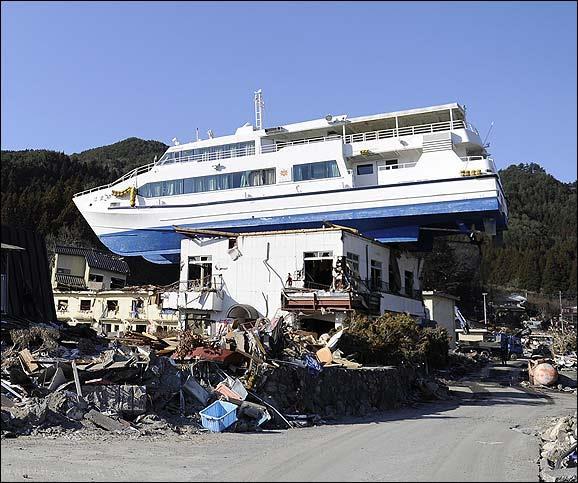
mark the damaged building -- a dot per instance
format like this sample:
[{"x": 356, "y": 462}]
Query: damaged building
[
  {"x": 318, "y": 275},
  {"x": 90, "y": 289}
]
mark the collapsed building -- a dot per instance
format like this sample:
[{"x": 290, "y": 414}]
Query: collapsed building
[{"x": 90, "y": 289}]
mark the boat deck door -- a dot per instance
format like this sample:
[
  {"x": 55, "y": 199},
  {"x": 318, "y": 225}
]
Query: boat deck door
[{"x": 365, "y": 174}]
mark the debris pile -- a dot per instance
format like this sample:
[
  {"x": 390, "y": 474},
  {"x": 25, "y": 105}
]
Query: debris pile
[
  {"x": 558, "y": 452},
  {"x": 245, "y": 377}
]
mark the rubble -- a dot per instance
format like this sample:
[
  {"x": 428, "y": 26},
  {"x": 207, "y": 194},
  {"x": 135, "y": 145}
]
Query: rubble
[
  {"x": 59, "y": 379},
  {"x": 558, "y": 452}
]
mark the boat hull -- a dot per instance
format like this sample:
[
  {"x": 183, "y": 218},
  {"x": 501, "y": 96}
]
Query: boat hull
[{"x": 389, "y": 213}]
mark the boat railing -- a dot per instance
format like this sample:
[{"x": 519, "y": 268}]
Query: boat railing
[
  {"x": 214, "y": 156},
  {"x": 397, "y": 166},
  {"x": 130, "y": 174},
  {"x": 211, "y": 156},
  {"x": 408, "y": 131},
  {"x": 271, "y": 148}
]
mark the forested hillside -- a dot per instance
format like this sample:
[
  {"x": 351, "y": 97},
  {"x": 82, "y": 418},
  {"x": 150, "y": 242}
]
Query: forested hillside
[
  {"x": 538, "y": 254},
  {"x": 539, "y": 250}
]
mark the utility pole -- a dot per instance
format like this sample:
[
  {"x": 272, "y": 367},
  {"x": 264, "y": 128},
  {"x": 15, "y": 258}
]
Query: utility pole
[
  {"x": 561, "y": 320},
  {"x": 485, "y": 312}
]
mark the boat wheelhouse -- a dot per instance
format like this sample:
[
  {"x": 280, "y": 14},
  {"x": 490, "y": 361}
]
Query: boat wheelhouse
[{"x": 396, "y": 177}]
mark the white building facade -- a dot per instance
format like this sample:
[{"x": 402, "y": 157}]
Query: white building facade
[{"x": 316, "y": 273}]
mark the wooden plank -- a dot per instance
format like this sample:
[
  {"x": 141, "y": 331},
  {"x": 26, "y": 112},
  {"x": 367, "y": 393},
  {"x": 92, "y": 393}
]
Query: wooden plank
[
  {"x": 28, "y": 361},
  {"x": 76, "y": 379}
]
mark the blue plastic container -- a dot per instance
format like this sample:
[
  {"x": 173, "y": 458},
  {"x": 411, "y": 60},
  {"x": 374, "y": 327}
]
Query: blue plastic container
[{"x": 218, "y": 416}]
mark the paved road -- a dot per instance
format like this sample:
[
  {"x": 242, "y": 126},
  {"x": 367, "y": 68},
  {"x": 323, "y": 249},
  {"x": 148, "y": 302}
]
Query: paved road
[{"x": 469, "y": 440}]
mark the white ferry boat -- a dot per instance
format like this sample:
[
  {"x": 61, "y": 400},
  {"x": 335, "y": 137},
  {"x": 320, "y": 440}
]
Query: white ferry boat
[{"x": 388, "y": 175}]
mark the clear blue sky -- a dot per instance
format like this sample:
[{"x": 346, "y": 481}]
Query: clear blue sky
[{"x": 82, "y": 75}]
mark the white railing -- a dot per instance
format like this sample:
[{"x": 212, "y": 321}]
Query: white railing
[
  {"x": 233, "y": 153},
  {"x": 467, "y": 159},
  {"x": 130, "y": 174},
  {"x": 397, "y": 166},
  {"x": 214, "y": 156},
  {"x": 408, "y": 131},
  {"x": 271, "y": 148}
]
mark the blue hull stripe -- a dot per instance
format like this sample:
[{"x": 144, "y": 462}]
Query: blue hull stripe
[{"x": 159, "y": 240}]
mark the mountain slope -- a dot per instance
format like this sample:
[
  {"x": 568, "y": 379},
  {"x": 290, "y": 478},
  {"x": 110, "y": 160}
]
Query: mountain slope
[{"x": 539, "y": 251}]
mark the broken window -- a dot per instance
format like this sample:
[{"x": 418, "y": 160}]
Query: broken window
[
  {"x": 318, "y": 270},
  {"x": 200, "y": 271},
  {"x": 409, "y": 283},
  {"x": 117, "y": 282},
  {"x": 63, "y": 305},
  {"x": 93, "y": 277},
  {"x": 85, "y": 305},
  {"x": 111, "y": 308},
  {"x": 376, "y": 277},
  {"x": 137, "y": 307},
  {"x": 65, "y": 271},
  {"x": 353, "y": 264}
]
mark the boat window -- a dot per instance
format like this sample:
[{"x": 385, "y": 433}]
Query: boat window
[
  {"x": 216, "y": 182},
  {"x": 323, "y": 169},
  {"x": 364, "y": 169}
]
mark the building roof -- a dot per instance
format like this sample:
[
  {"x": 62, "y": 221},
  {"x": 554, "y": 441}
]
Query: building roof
[
  {"x": 96, "y": 259},
  {"x": 70, "y": 281}
]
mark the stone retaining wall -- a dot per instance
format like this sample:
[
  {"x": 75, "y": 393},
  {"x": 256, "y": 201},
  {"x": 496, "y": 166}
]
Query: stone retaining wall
[{"x": 337, "y": 391}]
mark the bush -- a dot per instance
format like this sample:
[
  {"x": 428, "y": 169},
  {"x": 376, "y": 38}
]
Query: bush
[{"x": 394, "y": 339}]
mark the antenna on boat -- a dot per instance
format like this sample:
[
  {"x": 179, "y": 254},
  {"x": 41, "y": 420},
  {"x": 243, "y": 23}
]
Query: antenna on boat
[
  {"x": 210, "y": 134},
  {"x": 488, "y": 135},
  {"x": 259, "y": 106},
  {"x": 197, "y": 130}
]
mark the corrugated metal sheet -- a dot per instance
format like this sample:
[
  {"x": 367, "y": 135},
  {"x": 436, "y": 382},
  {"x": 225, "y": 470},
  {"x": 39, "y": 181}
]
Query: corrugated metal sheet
[
  {"x": 29, "y": 290},
  {"x": 96, "y": 259}
]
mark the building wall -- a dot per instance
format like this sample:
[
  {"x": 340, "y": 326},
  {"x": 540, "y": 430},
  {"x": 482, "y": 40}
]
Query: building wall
[
  {"x": 442, "y": 310},
  {"x": 258, "y": 276},
  {"x": 76, "y": 264},
  {"x": 150, "y": 315},
  {"x": 106, "y": 276}
]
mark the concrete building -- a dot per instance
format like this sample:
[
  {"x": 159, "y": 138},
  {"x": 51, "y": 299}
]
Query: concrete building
[
  {"x": 89, "y": 288},
  {"x": 85, "y": 268},
  {"x": 319, "y": 274},
  {"x": 111, "y": 311},
  {"x": 441, "y": 308}
]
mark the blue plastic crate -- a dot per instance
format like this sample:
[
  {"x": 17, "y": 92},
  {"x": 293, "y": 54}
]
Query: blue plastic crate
[{"x": 218, "y": 416}]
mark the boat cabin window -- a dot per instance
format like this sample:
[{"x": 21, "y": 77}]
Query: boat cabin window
[
  {"x": 364, "y": 169},
  {"x": 323, "y": 169},
  {"x": 225, "y": 181}
]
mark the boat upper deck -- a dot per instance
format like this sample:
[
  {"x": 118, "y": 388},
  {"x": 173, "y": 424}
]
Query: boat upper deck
[{"x": 248, "y": 142}]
